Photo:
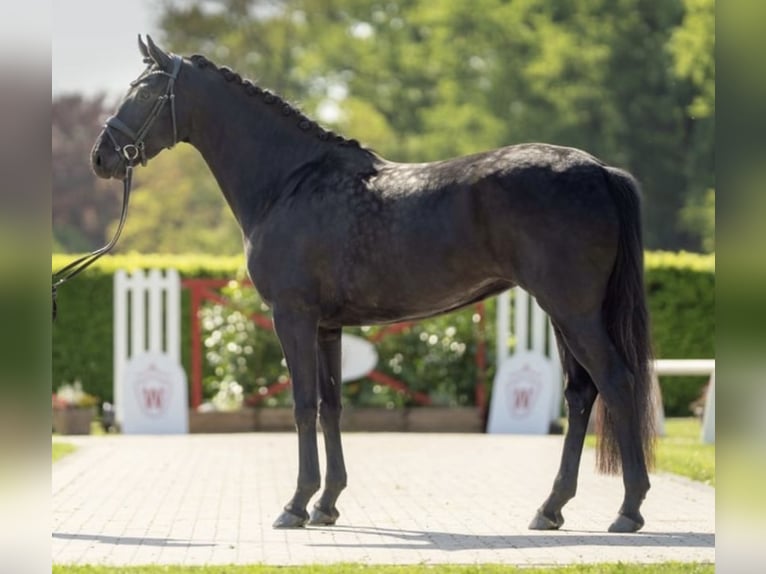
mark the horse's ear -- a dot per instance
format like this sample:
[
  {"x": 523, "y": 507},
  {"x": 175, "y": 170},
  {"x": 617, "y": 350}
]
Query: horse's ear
[
  {"x": 164, "y": 61},
  {"x": 142, "y": 47}
]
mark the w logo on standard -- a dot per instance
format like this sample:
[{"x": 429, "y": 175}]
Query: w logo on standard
[
  {"x": 523, "y": 390},
  {"x": 154, "y": 387},
  {"x": 156, "y": 396},
  {"x": 522, "y": 395},
  {"x": 526, "y": 392}
]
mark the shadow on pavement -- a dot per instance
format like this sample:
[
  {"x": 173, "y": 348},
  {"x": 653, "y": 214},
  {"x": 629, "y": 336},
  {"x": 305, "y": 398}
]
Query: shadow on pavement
[
  {"x": 128, "y": 540},
  {"x": 414, "y": 539}
]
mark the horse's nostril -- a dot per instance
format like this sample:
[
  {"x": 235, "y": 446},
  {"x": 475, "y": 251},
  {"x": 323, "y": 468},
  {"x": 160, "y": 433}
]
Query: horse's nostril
[{"x": 98, "y": 159}]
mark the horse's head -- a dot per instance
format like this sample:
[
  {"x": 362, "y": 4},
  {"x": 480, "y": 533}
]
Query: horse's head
[{"x": 145, "y": 121}]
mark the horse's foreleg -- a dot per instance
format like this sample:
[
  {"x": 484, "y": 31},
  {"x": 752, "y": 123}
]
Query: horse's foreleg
[
  {"x": 580, "y": 395},
  {"x": 297, "y": 332},
  {"x": 329, "y": 415}
]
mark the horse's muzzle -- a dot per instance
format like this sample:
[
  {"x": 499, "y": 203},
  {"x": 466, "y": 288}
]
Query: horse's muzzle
[{"x": 105, "y": 162}]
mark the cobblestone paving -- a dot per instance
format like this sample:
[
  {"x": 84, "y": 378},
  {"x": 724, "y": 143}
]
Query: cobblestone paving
[{"x": 412, "y": 498}]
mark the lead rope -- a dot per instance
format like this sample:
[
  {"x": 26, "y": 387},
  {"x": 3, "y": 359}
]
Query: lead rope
[{"x": 78, "y": 265}]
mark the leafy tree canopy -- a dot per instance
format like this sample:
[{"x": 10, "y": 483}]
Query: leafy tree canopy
[{"x": 632, "y": 81}]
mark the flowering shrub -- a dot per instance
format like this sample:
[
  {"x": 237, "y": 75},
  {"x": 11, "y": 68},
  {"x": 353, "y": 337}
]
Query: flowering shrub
[
  {"x": 71, "y": 396},
  {"x": 436, "y": 357},
  {"x": 241, "y": 359},
  {"x": 229, "y": 397}
]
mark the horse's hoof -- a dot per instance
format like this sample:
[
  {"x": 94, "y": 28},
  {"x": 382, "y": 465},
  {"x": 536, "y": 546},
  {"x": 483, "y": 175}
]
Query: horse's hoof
[
  {"x": 290, "y": 520},
  {"x": 543, "y": 522},
  {"x": 625, "y": 524},
  {"x": 321, "y": 518}
]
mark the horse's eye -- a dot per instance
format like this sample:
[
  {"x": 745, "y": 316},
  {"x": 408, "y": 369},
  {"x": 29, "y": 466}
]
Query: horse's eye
[{"x": 143, "y": 93}]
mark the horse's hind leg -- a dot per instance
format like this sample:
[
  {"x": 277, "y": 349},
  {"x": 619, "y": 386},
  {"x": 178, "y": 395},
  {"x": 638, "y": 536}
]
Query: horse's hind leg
[
  {"x": 329, "y": 415},
  {"x": 587, "y": 338},
  {"x": 297, "y": 332},
  {"x": 580, "y": 394}
]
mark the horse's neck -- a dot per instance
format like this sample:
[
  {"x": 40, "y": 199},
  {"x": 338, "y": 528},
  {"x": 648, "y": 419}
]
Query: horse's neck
[{"x": 250, "y": 149}]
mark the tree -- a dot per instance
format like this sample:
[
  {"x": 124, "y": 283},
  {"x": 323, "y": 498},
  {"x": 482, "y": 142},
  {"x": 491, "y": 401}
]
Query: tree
[
  {"x": 176, "y": 207},
  {"x": 83, "y": 205},
  {"x": 628, "y": 80},
  {"x": 693, "y": 48}
]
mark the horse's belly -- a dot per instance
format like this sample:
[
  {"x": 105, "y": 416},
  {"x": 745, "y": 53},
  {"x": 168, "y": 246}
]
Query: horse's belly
[{"x": 395, "y": 305}]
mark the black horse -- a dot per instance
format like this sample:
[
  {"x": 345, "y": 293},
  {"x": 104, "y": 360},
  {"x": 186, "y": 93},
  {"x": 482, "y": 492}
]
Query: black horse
[{"x": 336, "y": 235}]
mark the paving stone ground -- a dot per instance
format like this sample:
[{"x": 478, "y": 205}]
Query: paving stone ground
[{"x": 412, "y": 498}]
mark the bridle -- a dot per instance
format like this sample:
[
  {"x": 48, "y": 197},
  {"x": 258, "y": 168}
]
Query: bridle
[
  {"x": 135, "y": 150},
  {"x": 130, "y": 152}
]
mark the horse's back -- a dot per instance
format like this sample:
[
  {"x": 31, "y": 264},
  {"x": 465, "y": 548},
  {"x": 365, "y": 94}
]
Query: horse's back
[
  {"x": 508, "y": 161},
  {"x": 435, "y": 236},
  {"x": 506, "y": 205}
]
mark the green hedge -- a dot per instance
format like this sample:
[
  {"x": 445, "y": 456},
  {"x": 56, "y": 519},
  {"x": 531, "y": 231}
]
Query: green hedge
[
  {"x": 82, "y": 332},
  {"x": 435, "y": 356},
  {"x": 681, "y": 292}
]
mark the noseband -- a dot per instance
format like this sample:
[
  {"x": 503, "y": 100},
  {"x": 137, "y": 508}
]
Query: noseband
[{"x": 135, "y": 150}]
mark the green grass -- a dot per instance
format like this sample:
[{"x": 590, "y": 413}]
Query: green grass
[
  {"x": 61, "y": 449},
  {"x": 619, "y": 568},
  {"x": 681, "y": 451}
]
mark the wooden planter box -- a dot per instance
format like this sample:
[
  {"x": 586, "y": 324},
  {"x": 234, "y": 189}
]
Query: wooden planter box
[
  {"x": 73, "y": 421},
  {"x": 444, "y": 419},
  {"x": 354, "y": 419},
  {"x": 222, "y": 422},
  {"x": 373, "y": 419},
  {"x": 247, "y": 420},
  {"x": 274, "y": 419}
]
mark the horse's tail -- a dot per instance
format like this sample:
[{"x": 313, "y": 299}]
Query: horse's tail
[{"x": 627, "y": 322}]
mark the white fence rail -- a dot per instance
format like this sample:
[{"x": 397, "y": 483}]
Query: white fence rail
[{"x": 691, "y": 367}]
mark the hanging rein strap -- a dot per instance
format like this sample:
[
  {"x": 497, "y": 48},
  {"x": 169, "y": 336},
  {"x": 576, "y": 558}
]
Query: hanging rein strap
[
  {"x": 78, "y": 265},
  {"x": 131, "y": 152}
]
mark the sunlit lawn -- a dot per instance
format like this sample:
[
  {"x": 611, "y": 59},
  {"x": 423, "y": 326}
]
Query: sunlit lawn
[
  {"x": 665, "y": 568},
  {"x": 60, "y": 449},
  {"x": 682, "y": 452}
]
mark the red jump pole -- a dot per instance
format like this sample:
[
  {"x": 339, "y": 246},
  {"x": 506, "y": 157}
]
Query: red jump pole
[{"x": 196, "y": 344}]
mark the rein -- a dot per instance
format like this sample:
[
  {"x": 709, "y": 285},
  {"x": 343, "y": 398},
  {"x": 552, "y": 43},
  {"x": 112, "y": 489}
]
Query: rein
[
  {"x": 80, "y": 264},
  {"x": 131, "y": 152}
]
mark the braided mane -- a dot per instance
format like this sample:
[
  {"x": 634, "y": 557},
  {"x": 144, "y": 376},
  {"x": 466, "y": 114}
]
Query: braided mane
[{"x": 286, "y": 108}]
